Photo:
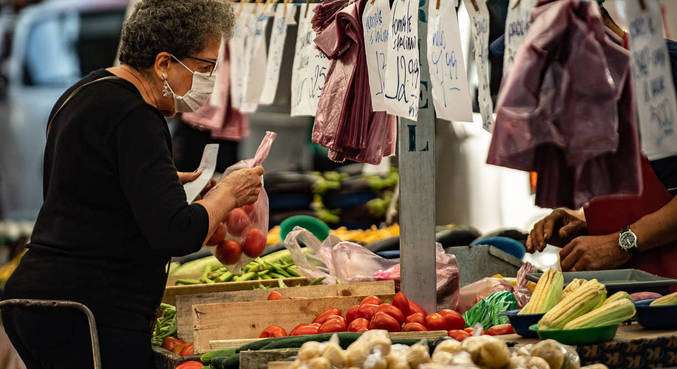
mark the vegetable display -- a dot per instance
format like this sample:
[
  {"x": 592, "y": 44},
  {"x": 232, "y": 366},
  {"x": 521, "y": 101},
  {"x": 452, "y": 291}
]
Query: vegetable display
[
  {"x": 490, "y": 311},
  {"x": 278, "y": 265},
  {"x": 165, "y": 326}
]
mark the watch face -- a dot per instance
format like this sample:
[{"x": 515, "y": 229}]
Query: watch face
[{"x": 628, "y": 240}]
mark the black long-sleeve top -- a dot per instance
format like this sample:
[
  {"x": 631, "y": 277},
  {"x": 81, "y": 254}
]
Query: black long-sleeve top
[{"x": 114, "y": 211}]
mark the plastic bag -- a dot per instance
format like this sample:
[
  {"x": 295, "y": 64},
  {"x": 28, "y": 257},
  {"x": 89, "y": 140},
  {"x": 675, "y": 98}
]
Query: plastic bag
[
  {"x": 489, "y": 311},
  {"x": 342, "y": 262},
  {"x": 248, "y": 226},
  {"x": 522, "y": 292},
  {"x": 473, "y": 293}
]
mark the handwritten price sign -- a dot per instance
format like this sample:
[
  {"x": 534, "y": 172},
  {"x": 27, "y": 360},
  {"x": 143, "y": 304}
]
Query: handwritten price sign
[
  {"x": 375, "y": 24},
  {"x": 654, "y": 89},
  {"x": 275, "y": 52},
  {"x": 479, "y": 23},
  {"x": 402, "y": 85},
  {"x": 516, "y": 27},
  {"x": 450, "y": 91},
  {"x": 310, "y": 68}
]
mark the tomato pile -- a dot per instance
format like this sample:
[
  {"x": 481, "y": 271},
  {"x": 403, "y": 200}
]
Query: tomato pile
[
  {"x": 402, "y": 315},
  {"x": 178, "y": 346}
]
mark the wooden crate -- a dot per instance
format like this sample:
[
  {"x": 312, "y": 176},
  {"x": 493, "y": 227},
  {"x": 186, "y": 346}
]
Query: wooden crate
[
  {"x": 185, "y": 302},
  {"x": 172, "y": 291},
  {"x": 246, "y": 320}
]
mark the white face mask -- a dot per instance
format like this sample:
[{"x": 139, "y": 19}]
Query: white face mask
[{"x": 198, "y": 95}]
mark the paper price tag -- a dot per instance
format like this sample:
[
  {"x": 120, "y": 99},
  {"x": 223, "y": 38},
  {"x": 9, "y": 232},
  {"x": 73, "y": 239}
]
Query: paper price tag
[
  {"x": 451, "y": 94},
  {"x": 310, "y": 67},
  {"x": 207, "y": 166},
  {"x": 375, "y": 24},
  {"x": 403, "y": 82},
  {"x": 275, "y": 52},
  {"x": 254, "y": 59},
  {"x": 516, "y": 27},
  {"x": 236, "y": 46},
  {"x": 654, "y": 88},
  {"x": 479, "y": 24}
]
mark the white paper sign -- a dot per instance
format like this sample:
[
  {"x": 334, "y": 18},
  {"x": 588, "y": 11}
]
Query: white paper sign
[
  {"x": 516, "y": 27},
  {"x": 451, "y": 94},
  {"x": 479, "y": 24},
  {"x": 275, "y": 52},
  {"x": 236, "y": 46},
  {"x": 403, "y": 76},
  {"x": 376, "y": 24},
  {"x": 207, "y": 166},
  {"x": 255, "y": 59},
  {"x": 654, "y": 88},
  {"x": 310, "y": 67}
]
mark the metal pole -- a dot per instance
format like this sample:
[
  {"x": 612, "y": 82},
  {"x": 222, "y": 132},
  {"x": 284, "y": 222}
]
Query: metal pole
[
  {"x": 94, "y": 336},
  {"x": 416, "y": 142}
]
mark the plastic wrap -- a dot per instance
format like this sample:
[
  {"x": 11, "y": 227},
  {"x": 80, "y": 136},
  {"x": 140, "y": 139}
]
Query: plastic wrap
[
  {"x": 473, "y": 293},
  {"x": 255, "y": 216},
  {"x": 342, "y": 262},
  {"x": 521, "y": 291}
]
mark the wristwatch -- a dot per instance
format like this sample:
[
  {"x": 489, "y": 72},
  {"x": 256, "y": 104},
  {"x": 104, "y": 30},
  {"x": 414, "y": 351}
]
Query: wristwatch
[{"x": 627, "y": 240}]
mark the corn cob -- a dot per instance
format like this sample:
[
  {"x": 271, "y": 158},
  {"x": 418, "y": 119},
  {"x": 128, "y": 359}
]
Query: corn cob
[
  {"x": 572, "y": 286},
  {"x": 620, "y": 295},
  {"x": 670, "y": 299},
  {"x": 584, "y": 299},
  {"x": 547, "y": 294},
  {"x": 612, "y": 313}
]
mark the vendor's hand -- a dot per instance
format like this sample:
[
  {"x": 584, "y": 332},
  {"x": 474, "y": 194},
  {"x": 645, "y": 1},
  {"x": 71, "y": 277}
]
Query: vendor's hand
[
  {"x": 186, "y": 177},
  {"x": 556, "y": 229},
  {"x": 593, "y": 253},
  {"x": 244, "y": 185}
]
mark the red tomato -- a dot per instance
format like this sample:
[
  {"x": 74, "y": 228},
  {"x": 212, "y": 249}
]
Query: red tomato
[
  {"x": 416, "y": 318},
  {"x": 470, "y": 330},
  {"x": 304, "y": 329},
  {"x": 169, "y": 343},
  {"x": 401, "y": 302},
  {"x": 352, "y": 313},
  {"x": 273, "y": 331},
  {"x": 436, "y": 322},
  {"x": 413, "y": 327},
  {"x": 190, "y": 365},
  {"x": 228, "y": 252},
  {"x": 416, "y": 308},
  {"x": 374, "y": 300},
  {"x": 454, "y": 319},
  {"x": 499, "y": 330},
  {"x": 367, "y": 311},
  {"x": 237, "y": 221},
  {"x": 459, "y": 334},
  {"x": 358, "y": 325},
  {"x": 254, "y": 242},
  {"x": 322, "y": 317},
  {"x": 382, "y": 320},
  {"x": 218, "y": 235},
  {"x": 274, "y": 295},
  {"x": 392, "y": 311},
  {"x": 332, "y": 325},
  {"x": 187, "y": 350},
  {"x": 249, "y": 209}
]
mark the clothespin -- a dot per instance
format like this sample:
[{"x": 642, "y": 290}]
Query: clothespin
[
  {"x": 284, "y": 12},
  {"x": 517, "y": 3},
  {"x": 307, "y": 7},
  {"x": 642, "y": 4},
  {"x": 474, "y": 5},
  {"x": 437, "y": 4}
]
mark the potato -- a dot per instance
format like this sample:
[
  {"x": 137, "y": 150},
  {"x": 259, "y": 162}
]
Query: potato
[
  {"x": 418, "y": 355},
  {"x": 550, "y": 351},
  {"x": 487, "y": 351},
  {"x": 451, "y": 346},
  {"x": 442, "y": 357},
  {"x": 536, "y": 362},
  {"x": 318, "y": 363}
]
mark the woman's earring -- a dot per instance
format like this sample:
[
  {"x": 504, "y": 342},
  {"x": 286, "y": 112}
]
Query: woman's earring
[{"x": 166, "y": 89}]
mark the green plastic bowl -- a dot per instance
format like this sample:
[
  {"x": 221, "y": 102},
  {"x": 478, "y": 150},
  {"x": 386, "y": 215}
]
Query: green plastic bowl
[
  {"x": 315, "y": 226},
  {"x": 582, "y": 336}
]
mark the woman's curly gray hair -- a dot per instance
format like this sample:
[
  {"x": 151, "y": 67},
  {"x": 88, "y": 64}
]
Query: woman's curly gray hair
[{"x": 180, "y": 27}]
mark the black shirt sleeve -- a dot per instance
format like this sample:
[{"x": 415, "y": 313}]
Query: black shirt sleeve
[{"x": 151, "y": 185}]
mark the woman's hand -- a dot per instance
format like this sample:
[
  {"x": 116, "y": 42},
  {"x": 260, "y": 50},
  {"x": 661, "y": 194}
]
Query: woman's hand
[
  {"x": 557, "y": 229},
  {"x": 244, "y": 185},
  {"x": 186, "y": 177},
  {"x": 593, "y": 253}
]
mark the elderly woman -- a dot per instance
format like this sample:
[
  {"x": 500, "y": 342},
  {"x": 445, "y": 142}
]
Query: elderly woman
[{"x": 114, "y": 209}]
